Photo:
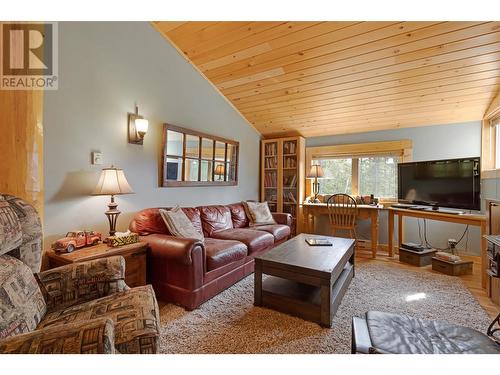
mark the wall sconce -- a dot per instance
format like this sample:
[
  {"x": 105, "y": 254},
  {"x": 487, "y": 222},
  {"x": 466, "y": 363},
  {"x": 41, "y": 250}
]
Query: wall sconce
[{"x": 137, "y": 127}]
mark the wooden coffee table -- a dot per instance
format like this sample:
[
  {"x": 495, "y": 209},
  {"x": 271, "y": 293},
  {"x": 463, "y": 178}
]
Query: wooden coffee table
[{"x": 305, "y": 281}]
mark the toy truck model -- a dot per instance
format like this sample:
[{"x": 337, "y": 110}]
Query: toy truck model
[{"x": 76, "y": 239}]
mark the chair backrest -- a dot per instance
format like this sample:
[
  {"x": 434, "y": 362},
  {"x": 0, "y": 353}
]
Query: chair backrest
[
  {"x": 20, "y": 231},
  {"x": 342, "y": 211}
]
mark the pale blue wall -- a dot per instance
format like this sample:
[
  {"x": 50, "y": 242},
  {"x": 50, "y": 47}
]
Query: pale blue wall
[
  {"x": 104, "y": 69},
  {"x": 429, "y": 143}
]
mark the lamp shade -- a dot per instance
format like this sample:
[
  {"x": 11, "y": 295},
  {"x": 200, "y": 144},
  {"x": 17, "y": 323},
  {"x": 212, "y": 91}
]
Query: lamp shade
[
  {"x": 141, "y": 125},
  {"x": 112, "y": 182},
  {"x": 219, "y": 170},
  {"x": 315, "y": 172}
]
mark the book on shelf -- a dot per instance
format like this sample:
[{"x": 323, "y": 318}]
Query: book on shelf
[
  {"x": 270, "y": 179},
  {"x": 290, "y": 162},
  {"x": 289, "y": 197},
  {"x": 289, "y": 147},
  {"x": 271, "y": 149},
  {"x": 270, "y": 163}
]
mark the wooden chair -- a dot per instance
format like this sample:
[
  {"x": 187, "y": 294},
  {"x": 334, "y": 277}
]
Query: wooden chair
[{"x": 342, "y": 211}]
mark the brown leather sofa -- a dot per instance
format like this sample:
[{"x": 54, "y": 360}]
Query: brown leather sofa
[{"x": 188, "y": 272}]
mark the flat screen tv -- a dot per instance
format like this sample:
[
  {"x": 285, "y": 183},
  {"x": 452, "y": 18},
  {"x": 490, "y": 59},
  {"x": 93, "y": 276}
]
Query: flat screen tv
[{"x": 453, "y": 183}]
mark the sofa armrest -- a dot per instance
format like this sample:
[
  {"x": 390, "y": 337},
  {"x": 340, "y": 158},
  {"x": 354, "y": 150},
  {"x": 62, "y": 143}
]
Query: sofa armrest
[
  {"x": 283, "y": 218},
  {"x": 95, "y": 336},
  {"x": 76, "y": 283},
  {"x": 173, "y": 248}
]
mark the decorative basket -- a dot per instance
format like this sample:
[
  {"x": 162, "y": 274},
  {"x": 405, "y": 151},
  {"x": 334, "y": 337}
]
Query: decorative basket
[{"x": 115, "y": 241}]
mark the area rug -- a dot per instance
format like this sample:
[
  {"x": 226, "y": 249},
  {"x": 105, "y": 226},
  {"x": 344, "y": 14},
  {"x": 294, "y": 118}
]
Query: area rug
[{"x": 229, "y": 323}]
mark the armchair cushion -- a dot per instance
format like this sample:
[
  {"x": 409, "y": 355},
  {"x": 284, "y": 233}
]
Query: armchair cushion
[
  {"x": 87, "y": 337},
  {"x": 134, "y": 312},
  {"x": 20, "y": 231},
  {"x": 22, "y": 305},
  {"x": 80, "y": 282}
]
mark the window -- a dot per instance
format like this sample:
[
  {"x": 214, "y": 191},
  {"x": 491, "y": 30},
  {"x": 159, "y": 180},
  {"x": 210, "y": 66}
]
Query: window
[
  {"x": 378, "y": 176},
  {"x": 191, "y": 158},
  {"x": 375, "y": 175},
  {"x": 360, "y": 169},
  {"x": 337, "y": 176}
]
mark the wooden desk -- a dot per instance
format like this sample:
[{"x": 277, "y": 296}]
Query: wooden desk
[
  {"x": 467, "y": 219},
  {"x": 311, "y": 210}
]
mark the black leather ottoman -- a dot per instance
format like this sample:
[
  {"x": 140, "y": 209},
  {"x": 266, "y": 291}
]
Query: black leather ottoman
[{"x": 381, "y": 332}]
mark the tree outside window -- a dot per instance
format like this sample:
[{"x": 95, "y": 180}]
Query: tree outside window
[{"x": 377, "y": 175}]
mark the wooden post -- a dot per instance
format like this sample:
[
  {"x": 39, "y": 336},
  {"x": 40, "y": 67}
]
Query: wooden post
[
  {"x": 484, "y": 256},
  {"x": 391, "y": 232},
  {"x": 258, "y": 283},
  {"x": 374, "y": 227},
  {"x": 326, "y": 303},
  {"x": 401, "y": 231}
]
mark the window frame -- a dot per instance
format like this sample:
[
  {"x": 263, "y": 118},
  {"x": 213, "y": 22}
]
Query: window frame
[
  {"x": 183, "y": 182},
  {"x": 489, "y": 145},
  {"x": 403, "y": 149}
]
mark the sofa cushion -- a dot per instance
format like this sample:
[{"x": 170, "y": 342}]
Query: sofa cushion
[
  {"x": 215, "y": 218},
  {"x": 255, "y": 240},
  {"x": 222, "y": 252},
  {"x": 134, "y": 313},
  {"x": 259, "y": 213},
  {"x": 238, "y": 215},
  {"x": 149, "y": 221},
  {"x": 179, "y": 224},
  {"x": 22, "y": 305},
  {"x": 280, "y": 232},
  {"x": 401, "y": 334}
]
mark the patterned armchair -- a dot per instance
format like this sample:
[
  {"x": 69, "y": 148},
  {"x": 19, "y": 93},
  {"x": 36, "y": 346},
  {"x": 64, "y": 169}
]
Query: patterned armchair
[{"x": 78, "y": 308}]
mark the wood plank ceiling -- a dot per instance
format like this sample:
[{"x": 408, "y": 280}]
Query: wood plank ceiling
[{"x": 319, "y": 78}]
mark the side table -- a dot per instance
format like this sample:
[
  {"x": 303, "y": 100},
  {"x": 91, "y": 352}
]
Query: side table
[{"x": 134, "y": 254}]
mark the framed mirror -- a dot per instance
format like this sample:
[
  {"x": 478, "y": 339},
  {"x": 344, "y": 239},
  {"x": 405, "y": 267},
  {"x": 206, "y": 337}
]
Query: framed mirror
[{"x": 192, "y": 158}]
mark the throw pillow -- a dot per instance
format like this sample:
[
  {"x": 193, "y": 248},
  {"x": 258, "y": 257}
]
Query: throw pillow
[
  {"x": 259, "y": 213},
  {"x": 179, "y": 224}
]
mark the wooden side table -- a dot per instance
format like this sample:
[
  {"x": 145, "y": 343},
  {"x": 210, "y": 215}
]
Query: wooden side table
[{"x": 134, "y": 254}]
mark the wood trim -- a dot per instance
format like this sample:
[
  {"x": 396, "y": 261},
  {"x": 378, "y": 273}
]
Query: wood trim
[
  {"x": 488, "y": 147},
  {"x": 200, "y": 135},
  {"x": 493, "y": 108},
  {"x": 358, "y": 149},
  {"x": 404, "y": 148}
]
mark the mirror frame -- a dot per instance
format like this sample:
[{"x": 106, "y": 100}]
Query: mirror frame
[{"x": 164, "y": 155}]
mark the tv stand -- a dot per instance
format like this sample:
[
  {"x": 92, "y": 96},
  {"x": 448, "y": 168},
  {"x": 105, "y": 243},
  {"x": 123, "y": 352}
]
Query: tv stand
[
  {"x": 440, "y": 215},
  {"x": 443, "y": 210}
]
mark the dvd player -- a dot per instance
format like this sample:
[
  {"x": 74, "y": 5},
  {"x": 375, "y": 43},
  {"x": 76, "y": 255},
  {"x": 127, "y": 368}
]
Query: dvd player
[{"x": 414, "y": 247}]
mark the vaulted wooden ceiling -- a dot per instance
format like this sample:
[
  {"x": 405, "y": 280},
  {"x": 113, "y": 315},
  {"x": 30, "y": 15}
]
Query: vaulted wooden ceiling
[{"x": 319, "y": 78}]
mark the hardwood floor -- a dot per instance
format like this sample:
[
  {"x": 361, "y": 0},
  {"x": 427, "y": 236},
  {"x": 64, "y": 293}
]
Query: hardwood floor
[{"x": 473, "y": 282}]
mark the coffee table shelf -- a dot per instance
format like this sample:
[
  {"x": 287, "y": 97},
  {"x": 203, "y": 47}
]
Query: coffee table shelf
[{"x": 303, "y": 280}]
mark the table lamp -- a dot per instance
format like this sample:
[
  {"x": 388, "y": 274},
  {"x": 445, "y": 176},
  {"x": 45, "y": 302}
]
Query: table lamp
[
  {"x": 315, "y": 172},
  {"x": 112, "y": 182},
  {"x": 220, "y": 171}
]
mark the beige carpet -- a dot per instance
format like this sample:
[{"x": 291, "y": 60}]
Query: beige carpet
[{"x": 229, "y": 323}]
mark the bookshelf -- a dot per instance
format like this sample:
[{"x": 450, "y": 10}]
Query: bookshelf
[{"x": 283, "y": 174}]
